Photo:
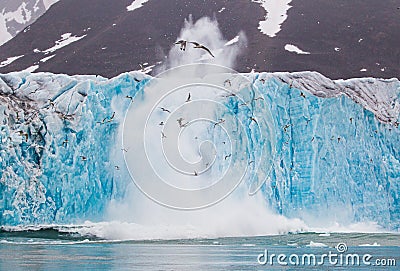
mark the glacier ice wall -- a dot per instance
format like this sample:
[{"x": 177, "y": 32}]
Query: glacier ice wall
[
  {"x": 58, "y": 135},
  {"x": 337, "y": 146},
  {"x": 336, "y": 161}
]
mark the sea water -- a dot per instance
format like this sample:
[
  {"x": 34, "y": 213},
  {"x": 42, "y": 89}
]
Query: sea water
[{"x": 50, "y": 249}]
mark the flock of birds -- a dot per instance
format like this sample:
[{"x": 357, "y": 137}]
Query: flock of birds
[
  {"x": 182, "y": 124},
  {"x": 228, "y": 82},
  {"x": 183, "y": 44},
  {"x": 180, "y": 120}
]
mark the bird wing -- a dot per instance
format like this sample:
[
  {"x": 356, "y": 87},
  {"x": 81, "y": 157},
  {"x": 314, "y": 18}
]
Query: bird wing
[
  {"x": 208, "y": 50},
  {"x": 195, "y": 43}
]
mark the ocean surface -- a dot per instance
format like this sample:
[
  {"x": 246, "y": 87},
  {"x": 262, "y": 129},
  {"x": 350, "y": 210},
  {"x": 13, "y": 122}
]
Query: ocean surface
[{"x": 51, "y": 249}]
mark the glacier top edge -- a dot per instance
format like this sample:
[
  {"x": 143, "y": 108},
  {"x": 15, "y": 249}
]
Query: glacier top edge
[{"x": 380, "y": 96}]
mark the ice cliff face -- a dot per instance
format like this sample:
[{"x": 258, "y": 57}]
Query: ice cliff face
[
  {"x": 337, "y": 146},
  {"x": 57, "y": 137},
  {"x": 338, "y": 149}
]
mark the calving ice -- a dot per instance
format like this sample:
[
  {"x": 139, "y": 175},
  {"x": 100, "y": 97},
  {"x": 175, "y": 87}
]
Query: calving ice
[
  {"x": 334, "y": 145},
  {"x": 299, "y": 149},
  {"x": 261, "y": 133}
]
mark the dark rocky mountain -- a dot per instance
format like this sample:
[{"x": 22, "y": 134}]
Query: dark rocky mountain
[{"x": 344, "y": 38}]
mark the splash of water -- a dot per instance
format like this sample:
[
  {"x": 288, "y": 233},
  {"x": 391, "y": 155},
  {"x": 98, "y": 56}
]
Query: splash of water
[
  {"x": 238, "y": 214},
  {"x": 206, "y": 32}
]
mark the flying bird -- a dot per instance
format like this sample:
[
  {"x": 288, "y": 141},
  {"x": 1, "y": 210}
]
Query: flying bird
[
  {"x": 66, "y": 116},
  {"x": 286, "y": 127},
  {"x": 228, "y": 81},
  {"x": 219, "y": 122},
  {"x": 182, "y": 43},
  {"x": 51, "y": 103},
  {"x": 112, "y": 117},
  {"x": 258, "y": 98},
  {"x": 165, "y": 110},
  {"x": 22, "y": 133},
  {"x": 18, "y": 118},
  {"x": 200, "y": 46},
  {"x": 180, "y": 122},
  {"x": 65, "y": 142},
  {"x": 188, "y": 98},
  {"x": 229, "y": 95}
]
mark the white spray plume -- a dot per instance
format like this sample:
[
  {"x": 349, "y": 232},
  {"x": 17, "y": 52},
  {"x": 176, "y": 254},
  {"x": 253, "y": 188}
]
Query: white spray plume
[
  {"x": 139, "y": 218},
  {"x": 206, "y": 32},
  {"x": 136, "y": 216},
  {"x": 237, "y": 215}
]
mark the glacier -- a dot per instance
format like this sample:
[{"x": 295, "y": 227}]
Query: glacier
[{"x": 336, "y": 146}]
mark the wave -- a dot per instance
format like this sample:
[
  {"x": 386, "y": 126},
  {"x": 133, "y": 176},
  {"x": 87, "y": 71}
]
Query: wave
[{"x": 116, "y": 231}]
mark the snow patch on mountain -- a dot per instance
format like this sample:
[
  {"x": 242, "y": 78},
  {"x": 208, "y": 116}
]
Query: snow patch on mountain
[
  {"x": 47, "y": 58},
  {"x": 48, "y": 3},
  {"x": 65, "y": 40},
  {"x": 9, "y": 60},
  {"x": 136, "y": 4},
  {"x": 294, "y": 49},
  {"x": 276, "y": 15},
  {"x": 31, "y": 68},
  {"x": 22, "y": 15},
  {"x": 18, "y": 14},
  {"x": 4, "y": 35}
]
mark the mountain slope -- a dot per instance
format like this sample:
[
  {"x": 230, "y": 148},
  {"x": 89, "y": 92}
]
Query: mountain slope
[{"x": 340, "y": 39}]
